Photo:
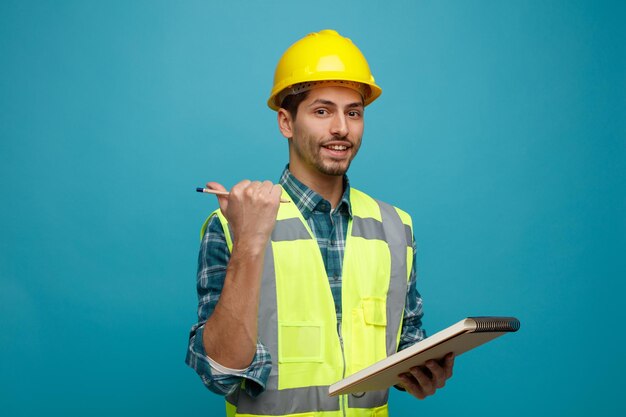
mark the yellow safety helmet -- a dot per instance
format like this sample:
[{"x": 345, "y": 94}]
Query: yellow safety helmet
[{"x": 324, "y": 58}]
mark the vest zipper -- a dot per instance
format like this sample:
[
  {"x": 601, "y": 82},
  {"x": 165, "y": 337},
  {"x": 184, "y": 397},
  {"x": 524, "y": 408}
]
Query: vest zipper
[{"x": 343, "y": 397}]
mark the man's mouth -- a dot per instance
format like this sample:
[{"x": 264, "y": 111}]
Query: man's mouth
[
  {"x": 336, "y": 147},
  {"x": 337, "y": 150}
]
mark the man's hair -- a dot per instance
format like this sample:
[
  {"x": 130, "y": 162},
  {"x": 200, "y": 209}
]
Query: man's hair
[{"x": 292, "y": 101}]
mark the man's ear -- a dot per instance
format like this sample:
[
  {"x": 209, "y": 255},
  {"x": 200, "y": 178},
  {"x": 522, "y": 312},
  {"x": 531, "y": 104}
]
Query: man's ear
[{"x": 285, "y": 123}]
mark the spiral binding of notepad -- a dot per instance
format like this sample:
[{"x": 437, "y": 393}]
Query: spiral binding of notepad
[{"x": 496, "y": 324}]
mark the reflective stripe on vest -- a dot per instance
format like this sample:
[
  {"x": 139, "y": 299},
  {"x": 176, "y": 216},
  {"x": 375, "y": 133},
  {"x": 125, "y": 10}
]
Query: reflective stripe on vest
[{"x": 297, "y": 321}]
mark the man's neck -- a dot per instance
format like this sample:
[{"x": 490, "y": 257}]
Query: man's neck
[{"x": 330, "y": 187}]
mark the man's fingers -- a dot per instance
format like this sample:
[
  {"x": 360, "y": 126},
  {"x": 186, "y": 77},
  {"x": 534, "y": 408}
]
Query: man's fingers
[
  {"x": 249, "y": 188},
  {"x": 215, "y": 186},
  {"x": 264, "y": 189},
  {"x": 238, "y": 189},
  {"x": 412, "y": 387},
  {"x": 449, "y": 365},
  {"x": 266, "y": 192},
  {"x": 423, "y": 380},
  {"x": 277, "y": 191},
  {"x": 221, "y": 200},
  {"x": 438, "y": 373},
  {"x": 266, "y": 186}
]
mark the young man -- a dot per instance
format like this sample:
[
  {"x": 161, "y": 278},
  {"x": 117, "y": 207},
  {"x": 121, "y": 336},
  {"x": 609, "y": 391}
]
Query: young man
[{"x": 295, "y": 296}]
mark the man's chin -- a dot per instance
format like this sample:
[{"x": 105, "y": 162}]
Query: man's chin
[{"x": 334, "y": 170}]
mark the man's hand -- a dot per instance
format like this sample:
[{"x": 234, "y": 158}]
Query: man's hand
[
  {"x": 250, "y": 209},
  {"x": 421, "y": 382}
]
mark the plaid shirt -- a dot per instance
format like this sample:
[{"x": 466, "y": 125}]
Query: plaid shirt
[{"x": 329, "y": 228}]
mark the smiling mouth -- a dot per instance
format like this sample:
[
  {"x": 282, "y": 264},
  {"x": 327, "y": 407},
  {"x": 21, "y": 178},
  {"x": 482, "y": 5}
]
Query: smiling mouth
[{"x": 336, "y": 147}]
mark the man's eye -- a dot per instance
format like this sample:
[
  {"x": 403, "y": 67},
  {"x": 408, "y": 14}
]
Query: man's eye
[
  {"x": 321, "y": 112},
  {"x": 354, "y": 114}
]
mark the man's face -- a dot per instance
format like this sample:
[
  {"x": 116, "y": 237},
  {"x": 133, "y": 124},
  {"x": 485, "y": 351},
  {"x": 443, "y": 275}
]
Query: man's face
[{"x": 326, "y": 134}]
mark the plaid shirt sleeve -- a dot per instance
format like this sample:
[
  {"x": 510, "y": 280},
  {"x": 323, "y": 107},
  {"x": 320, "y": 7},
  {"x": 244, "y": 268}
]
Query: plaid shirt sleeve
[
  {"x": 212, "y": 262},
  {"x": 412, "y": 331}
]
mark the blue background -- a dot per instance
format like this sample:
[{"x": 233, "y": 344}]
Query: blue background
[{"x": 501, "y": 129}]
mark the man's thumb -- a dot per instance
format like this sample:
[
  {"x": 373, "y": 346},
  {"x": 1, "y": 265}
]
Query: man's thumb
[{"x": 221, "y": 199}]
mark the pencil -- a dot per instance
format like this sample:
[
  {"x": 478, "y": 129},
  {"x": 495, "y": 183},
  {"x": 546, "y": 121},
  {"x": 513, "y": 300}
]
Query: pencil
[{"x": 226, "y": 193}]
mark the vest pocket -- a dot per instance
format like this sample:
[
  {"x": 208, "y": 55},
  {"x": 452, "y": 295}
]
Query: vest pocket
[
  {"x": 369, "y": 323},
  {"x": 374, "y": 311},
  {"x": 300, "y": 342}
]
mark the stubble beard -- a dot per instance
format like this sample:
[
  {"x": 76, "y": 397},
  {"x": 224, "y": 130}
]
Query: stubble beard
[{"x": 312, "y": 157}]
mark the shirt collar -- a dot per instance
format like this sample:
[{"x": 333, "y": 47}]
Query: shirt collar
[{"x": 307, "y": 200}]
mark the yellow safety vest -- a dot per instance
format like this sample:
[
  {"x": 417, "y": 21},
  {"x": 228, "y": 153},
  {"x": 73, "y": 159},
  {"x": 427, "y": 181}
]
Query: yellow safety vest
[{"x": 297, "y": 320}]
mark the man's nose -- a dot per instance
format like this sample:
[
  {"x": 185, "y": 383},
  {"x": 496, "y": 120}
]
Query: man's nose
[{"x": 339, "y": 125}]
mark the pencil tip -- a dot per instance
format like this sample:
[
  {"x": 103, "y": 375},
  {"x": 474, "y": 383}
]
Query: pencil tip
[{"x": 199, "y": 189}]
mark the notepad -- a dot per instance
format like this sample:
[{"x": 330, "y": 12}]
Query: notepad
[{"x": 459, "y": 338}]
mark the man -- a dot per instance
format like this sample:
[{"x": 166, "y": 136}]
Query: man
[{"x": 295, "y": 296}]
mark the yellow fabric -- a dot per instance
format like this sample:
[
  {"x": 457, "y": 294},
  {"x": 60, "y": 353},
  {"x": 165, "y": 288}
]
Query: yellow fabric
[
  {"x": 304, "y": 341},
  {"x": 231, "y": 410},
  {"x": 224, "y": 223},
  {"x": 382, "y": 411},
  {"x": 310, "y": 353},
  {"x": 305, "y": 308},
  {"x": 364, "y": 206},
  {"x": 363, "y": 300},
  {"x": 205, "y": 225}
]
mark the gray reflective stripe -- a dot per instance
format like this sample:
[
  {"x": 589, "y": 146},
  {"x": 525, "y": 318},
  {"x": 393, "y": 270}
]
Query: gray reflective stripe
[
  {"x": 289, "y": 229},
  {"x": 369, "y": 400},
  {"x": 268, "y": 319},
  {"x": 288, "y": 401},
  {"x": 409, "y": 235},
  {"x": 367, "y": 228},
  {"x": 395, "y": 233}
]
